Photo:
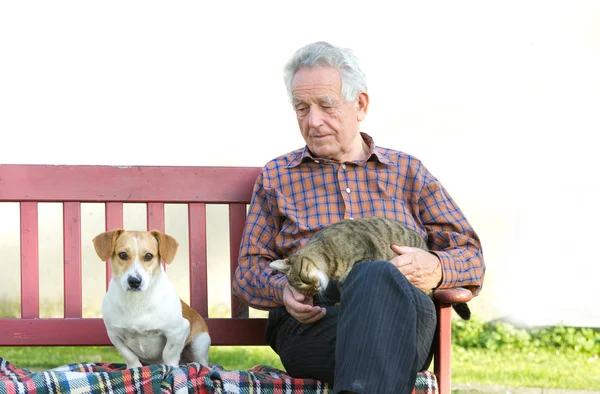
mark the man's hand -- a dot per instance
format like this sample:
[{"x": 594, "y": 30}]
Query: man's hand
[
  {"x": 300, "y": 306},
  {"x": 421, "y": 268}
]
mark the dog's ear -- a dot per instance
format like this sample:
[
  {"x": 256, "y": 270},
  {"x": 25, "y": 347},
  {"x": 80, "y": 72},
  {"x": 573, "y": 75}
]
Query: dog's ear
[
  {"x": 167, "y": 246},
  {"x": 104, "y": 243}
]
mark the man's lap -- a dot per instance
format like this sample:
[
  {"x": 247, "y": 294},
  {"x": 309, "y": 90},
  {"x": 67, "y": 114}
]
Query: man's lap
[{"x": 308, "y": 350}]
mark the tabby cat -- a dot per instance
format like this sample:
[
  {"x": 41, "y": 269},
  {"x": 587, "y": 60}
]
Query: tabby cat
[{"x": 331, "y": 253}]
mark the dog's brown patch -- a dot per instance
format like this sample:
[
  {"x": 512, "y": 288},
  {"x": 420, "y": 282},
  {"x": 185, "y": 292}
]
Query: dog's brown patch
[{"x": 197, "y": 323}]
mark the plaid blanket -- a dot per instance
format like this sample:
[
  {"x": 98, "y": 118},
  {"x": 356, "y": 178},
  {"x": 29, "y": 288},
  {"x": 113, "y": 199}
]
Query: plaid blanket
[{"x": 191, "y": 378}]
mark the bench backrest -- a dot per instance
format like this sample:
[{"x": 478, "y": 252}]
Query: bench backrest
[{"x": 71, "y": 185}]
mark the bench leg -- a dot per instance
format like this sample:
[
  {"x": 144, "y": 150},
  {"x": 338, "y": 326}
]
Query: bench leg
[{"x": 443, "y": 349}]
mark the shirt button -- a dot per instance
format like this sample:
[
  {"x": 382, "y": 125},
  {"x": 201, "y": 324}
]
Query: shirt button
[
  {"x": 317, "y": 161},
  {"x": 351, "y": 218},
  {"x": 348, "y": 190},
  {"x": 344, "y": 166}
]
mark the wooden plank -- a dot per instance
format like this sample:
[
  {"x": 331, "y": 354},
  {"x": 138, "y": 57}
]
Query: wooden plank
[
  {"x": 198, "y": 258},
  {"x": 155, "y": 219},
  {"x": 237, "y": 219},
  {"x": 233, "y": 332},
  {"x": 92, "y": 332},
  {"x": 113, "y": 221},
  {"x": 155, "y": 216},
  {"x": 126, "y": 184},
  {"x": 72, "y": 259},
  {"x": 443, "y": 349},
  {"x": 30, "y": 292}
]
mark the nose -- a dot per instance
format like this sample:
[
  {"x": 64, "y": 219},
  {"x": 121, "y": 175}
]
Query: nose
[
  {"x": 315, "y": 117},
  {"x": 134, "y": 282}
]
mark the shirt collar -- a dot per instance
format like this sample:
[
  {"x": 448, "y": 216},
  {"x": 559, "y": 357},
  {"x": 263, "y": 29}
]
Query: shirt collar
[{"x": 375, "y": 153}]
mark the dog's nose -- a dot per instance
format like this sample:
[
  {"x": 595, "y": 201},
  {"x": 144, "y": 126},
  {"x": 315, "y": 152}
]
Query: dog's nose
[{"x": 134, "y": 282}]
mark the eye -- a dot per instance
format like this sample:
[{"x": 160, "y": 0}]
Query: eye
[
  {"x": 300, "y": 111},
  {"x": 148, "y": 257},
  {"x": 123, "y": 256}
]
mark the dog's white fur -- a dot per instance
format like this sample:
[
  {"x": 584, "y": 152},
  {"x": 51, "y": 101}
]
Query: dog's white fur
[{"x": 145, "y": 318}]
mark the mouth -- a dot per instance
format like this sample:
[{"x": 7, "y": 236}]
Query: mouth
[{"x": 320, "y": 137}]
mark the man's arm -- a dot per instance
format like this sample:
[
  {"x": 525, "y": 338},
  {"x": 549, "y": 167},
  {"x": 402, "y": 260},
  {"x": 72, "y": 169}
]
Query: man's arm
[
  {"x": 451, "y": 238},
  {"x": 254, "y": 282}
]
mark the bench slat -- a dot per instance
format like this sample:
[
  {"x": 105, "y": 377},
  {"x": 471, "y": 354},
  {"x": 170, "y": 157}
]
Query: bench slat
[
  {"x": 198, "y": 258},
  {"x": 155, "y": 219},
  {"x": 113, "y": 220},
  {"x": 237, "y": 218},
  {"x": 72, "y": 259},
  {"x": 155, "y": 215},
  {"x": 30, "y": 293},
  {"x": 92, "y": 332},
  {"x": 46, "y": 183}
]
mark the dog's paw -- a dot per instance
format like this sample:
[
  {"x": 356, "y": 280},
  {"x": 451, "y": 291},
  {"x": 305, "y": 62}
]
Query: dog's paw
[{"x": 134, "y": 365}]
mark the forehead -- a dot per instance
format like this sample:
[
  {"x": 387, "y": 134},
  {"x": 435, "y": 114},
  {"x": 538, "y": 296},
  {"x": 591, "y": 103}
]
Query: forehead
[
  {"x": 142, "y": 239},
  {"x": 316, "y": 82}
]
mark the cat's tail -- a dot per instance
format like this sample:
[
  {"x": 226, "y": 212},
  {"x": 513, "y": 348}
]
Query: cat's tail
[{"x": 462, "y": 309}]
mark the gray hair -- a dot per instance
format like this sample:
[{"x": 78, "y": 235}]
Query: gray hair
[{"x": 323, "y": 54}]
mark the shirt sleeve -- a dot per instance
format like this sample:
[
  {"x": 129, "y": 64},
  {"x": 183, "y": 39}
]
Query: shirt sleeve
[
  {"x": 254, "y": 282},
  {"x": 451, "y": 238}
]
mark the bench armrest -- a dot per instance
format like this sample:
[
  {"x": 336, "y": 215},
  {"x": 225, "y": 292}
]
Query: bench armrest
[{"x": 451, "y": 296}]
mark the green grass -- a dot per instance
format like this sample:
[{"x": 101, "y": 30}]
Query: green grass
[
  {"x": 545, "y": 368},
  {"x": 46, "y": 357},
  {"x": 240, "y": 358}
]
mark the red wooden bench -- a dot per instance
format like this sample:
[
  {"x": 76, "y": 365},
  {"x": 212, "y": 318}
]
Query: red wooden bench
[{"x": 195, "y": 186}]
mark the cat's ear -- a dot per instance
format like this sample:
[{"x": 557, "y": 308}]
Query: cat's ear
[{"x": 280, "y": 265}]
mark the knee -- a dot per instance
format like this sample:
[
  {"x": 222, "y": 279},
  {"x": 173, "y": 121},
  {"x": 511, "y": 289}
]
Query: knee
[{"x": 305, "y": 357}]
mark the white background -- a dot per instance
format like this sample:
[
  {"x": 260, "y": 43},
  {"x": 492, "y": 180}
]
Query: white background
[{"x": 500, "y": 99}]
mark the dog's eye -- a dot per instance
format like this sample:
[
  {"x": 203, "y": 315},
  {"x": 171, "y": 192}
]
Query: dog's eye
[
  {"x": 148, "y": 257},
  {"x": 123, "y": 256}
]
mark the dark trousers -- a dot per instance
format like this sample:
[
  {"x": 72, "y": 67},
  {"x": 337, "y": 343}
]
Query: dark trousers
[{"x": 374, "y": 342}]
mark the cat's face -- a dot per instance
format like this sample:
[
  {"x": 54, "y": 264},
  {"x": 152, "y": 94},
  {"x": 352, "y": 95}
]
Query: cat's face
[{"x": 302, "y": 274}]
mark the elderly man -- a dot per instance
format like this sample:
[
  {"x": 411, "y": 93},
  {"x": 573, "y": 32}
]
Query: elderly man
[{"x": 381, "y": 334}]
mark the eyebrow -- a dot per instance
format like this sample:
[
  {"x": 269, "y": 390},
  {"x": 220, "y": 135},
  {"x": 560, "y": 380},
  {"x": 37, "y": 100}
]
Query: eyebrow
[
  {"x": 297, "y": 102},
  {"x": 326, "y": 100},
  {"x": 323, "y": 100}
]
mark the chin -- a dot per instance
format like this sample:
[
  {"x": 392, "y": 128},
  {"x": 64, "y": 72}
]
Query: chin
[{"x": 324, "y": 151}]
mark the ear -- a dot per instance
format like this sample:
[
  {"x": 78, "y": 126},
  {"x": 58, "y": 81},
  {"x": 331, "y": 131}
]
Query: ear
[
  {"x": 363, "y": 106},
  {"x": 280, "y": 265},
  {"x": 167, "y": 246},
  {"x": 104, "y": 243}
]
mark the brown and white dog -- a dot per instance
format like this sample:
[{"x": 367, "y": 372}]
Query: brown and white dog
[{"x": 145, "y": 318}]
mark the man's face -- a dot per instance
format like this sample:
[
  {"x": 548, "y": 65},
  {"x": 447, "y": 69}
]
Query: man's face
[{"x": 329, "y": 125}]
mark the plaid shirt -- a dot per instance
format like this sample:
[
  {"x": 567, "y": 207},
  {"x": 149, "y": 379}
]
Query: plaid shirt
[{"x": 295, "y": 195}]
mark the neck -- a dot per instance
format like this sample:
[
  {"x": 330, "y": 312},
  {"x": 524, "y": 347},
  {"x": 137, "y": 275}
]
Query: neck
[{"x": 358, "y": 152}]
